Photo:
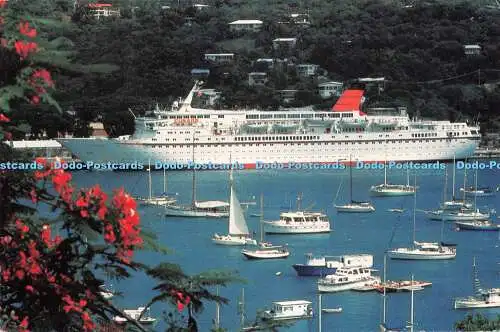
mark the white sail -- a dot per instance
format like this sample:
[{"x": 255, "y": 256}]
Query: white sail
[{"x": 237, "y": 222}]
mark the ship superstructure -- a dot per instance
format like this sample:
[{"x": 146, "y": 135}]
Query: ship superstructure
[{"x": 290, "y": 138}]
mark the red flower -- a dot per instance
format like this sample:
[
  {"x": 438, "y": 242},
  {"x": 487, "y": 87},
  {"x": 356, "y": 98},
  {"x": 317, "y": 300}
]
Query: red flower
[
  {"x": 60, "y": 180},
  {"x": 23, "y": 49},
  {"x": 6, "y": 275},
  {"x": 29, "y": 289},
  {"x": 24, "y": 29},
  {"x": 22, "y": 228},
  {"x": 23, "y": 326},
  {"x": 3, "y": 3},
  {"x": 42, "y": 74},
  {"x": 3, "y": 118},
  {"x": 35, "y": 100},
  {"x": 88, "y": 324},
  {"x": 46, "y": 237},
  {"x": 20, "y": 274}
]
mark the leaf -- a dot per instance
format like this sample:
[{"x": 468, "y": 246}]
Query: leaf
[
  {"x": 7, "y": 93},
  {"x": 52, "y": 101}
]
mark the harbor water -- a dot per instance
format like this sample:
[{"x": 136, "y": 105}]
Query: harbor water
[{"x": 189, "y": 241}]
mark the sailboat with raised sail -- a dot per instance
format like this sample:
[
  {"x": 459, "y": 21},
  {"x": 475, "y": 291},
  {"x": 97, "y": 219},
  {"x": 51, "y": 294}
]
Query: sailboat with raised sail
[
  {"x": 238, "y": 229},
  {"x": 163, "y": 199},
  {"x": 354, "y": 206},
  {"x": 423, "y": 250},
  {"x": 265, "y": 250},
  {"x": 204, "y": 209},
  {"x": 390, "y": 190}
]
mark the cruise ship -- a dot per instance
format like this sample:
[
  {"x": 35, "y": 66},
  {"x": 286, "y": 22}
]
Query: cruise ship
[{"x": 292, "y": 138}]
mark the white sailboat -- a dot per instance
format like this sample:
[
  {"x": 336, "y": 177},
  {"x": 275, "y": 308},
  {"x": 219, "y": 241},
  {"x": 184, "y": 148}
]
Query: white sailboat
[
  {"x": 265, "y": 250},
  {"x": 483, "y": 298},
  {"x": 161, "y": 200},
  {"x": 392, "y": 190},
  {"x": 238, "y": 229},
  {"x": 354, "y": 206},
  {"x": 423, "y": 250},
  {"x": 205, "y": 209}
]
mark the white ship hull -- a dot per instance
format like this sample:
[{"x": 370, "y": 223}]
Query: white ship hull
[
  {"x": 354, "y": 208},
  {"x": 189, "y": 212},
  {"x": 265, "y": 254},
  {"x": 475, "y": 303},
  {"x": 286, "y": 155},
  {"x": 330, "y": 288},
  {"x": 464, "y": 216},
  {"x": 228, "y": 240},
  {"x": 160, "y": 201},
  {"x": 418, "y": 255},
  {"x": 296, "y": 228}
]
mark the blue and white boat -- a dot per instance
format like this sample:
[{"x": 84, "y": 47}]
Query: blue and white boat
[{"x": 322, "y": 266}]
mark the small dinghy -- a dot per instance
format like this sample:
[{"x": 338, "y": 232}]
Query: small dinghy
[{"x": 332, "y": 310}]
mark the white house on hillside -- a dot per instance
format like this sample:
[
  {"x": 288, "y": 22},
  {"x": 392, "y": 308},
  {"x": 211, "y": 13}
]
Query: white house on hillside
[{"x": 246, "y": 25}]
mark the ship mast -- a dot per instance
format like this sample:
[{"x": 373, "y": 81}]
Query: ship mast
[
  {"x": 465, "y": 180},
  {"x": 384, "y": 294},
  {"x": 350, "y": 177},
  {"x": 320, "y": 323},
  {"x": 445, "y": 183},
  {"x": 217, "y": 311},
  {"x": 193, "y": 200},
  {"x": 414, "y": 210},
  {"x": 150, "y": 182},
  {"x": 241, "y": 308},
  {"x": 454, "y": 167},
  {"x": 261, "y": 218},
  {"x": 299, "y": 201},
  {"x": 411, "y": 305},
  {"x": 164, "y": 181}
]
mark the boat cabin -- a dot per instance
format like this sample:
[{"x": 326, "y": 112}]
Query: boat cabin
[
  {"x": 289, "y": 217},
  {"x": 213, "y": 206},
  {"x": 290, "y": 310}
]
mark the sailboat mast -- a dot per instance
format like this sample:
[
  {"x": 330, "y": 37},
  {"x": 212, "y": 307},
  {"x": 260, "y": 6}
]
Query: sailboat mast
[
  {"x": 350, "y": 178},
  {"x": 475, "y": 194},
  {"x": 465, "y": 179},
  {"x": 261, "y": 217},
  {"x": 193, "y": 200},
  {"x": 411, "y": 306},
  {"x": 414, "y": 209},
  {"x": 454, "y": 168},
  {"x": 299, "y": 201},
  {"x": 164, "y": 180},
  {"x": 384, "y": 295},
  {"x": 445, "y": 183},
  {"x": 320, "y": 323},
  {"x": 242, "y": 309},
  {"x": 217, "y": 311},
  {"x": 149, "y": 181}
]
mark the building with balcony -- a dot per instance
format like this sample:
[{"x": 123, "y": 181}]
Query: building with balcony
[
  {"x": 220, "y": 58},
  {"x": 306, "y": 70},
  {"x": 257, "y": 78},
  {"x": 246, "y": 25},
  {"x": 472, "y": 49},
  {"x": 99, "y": 10},
  {"x": 284, "y": 43},
  {"x": 330, "y": 89}
]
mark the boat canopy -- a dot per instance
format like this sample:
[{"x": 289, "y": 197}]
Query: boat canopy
[{"x": 211, "y": 204}]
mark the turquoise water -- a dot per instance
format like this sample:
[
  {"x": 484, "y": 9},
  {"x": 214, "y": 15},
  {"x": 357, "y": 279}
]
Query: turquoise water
[{"x": 191, "y": 246}]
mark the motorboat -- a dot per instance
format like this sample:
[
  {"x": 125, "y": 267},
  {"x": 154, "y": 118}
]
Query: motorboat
[
  {"x": 322, "y": 266},
  {"x": 346, "y": 279},
  {"x": 332, "y": 310},
  {"x": 299, "y": 222},
  {"x": 289, "y": 310},
  {"x": 477, "y": 225}
]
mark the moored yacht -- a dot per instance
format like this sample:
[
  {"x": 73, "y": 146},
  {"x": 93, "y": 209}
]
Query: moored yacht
[
  {"x": 285, "y": 310},
  {"x": 464, "y": 215},
  {"x": 298, "y": 222},
  {"x": 322, "y": 266},
  {"x": 354, "y": 206},
  {"x": 346, "y": 279},
  {"x": 389, "y": 190},
  {"x": 205, "y": 209},
  {"x": 477, "y": 225},
  {"x": 482, "y": 298},
  {"x": 160, "y": 200},
  {"x": 478, "y": 192},
  {"x": 265, "y": 250},
  {"x": 424, "y": 251}
]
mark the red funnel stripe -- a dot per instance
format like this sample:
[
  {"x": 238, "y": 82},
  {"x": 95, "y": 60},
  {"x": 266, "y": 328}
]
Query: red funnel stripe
[{"x": 349, "y": 101}]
